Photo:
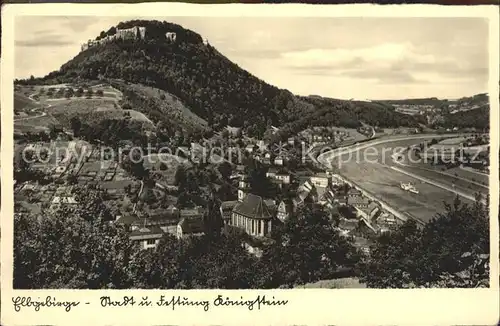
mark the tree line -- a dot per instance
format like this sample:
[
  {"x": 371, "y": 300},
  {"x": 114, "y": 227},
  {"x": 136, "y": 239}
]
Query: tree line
[{"x": 79, "y": 248}]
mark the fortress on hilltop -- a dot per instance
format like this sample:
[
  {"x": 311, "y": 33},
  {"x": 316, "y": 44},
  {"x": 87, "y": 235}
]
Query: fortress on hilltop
[{"x": 133, "y": 33}]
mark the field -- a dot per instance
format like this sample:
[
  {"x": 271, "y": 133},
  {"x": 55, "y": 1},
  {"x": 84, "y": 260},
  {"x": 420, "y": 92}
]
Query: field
[
  {"x": 376, "y": 176},
  {"x": 453, "y": 141},
  {"x": 170, "y": 105},
  {"x": 35, "y": 124},
  {"x": 22, "y": 102},
  {"x": 340, "y": 283}
]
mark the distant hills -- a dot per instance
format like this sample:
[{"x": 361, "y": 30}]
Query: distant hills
[
  {"x": 480, "y": 99},
  {"x": 209, "y": 89}
]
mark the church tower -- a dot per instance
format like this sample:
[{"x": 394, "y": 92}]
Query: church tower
[{"x": 243, "y": 188}]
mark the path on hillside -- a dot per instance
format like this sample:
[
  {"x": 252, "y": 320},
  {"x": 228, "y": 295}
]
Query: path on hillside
[
  {"x": 138, "y": 197},
  {"x": 43, "y": 114}
]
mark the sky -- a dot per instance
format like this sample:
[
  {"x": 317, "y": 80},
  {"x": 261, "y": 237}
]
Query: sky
[{"x": 346, "y": 57}]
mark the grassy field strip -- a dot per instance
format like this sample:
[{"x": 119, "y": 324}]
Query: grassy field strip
[
  {"x": 471, "y": 170},
  {"x": 447, "y": 174},
  {"x": 325, "y": 158},
  {"x": 439, "y": 172},
  {"x": 434, "y": 184},
  {"x": 33, "y": 117}
]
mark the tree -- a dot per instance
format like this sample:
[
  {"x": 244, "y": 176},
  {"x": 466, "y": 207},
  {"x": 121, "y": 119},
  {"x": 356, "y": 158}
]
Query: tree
[
  {"x": 65, "y": 250},
  {"x": 79, "y": 92},
  {"x": 225, "y": 169},
  {"x": 306, "y": 249},
  {"x": 450, "y": 251},
  {"x": 99, "y": 93},
  {"x": 76, "y": 125},
  {"x": 180, "y": 175}
]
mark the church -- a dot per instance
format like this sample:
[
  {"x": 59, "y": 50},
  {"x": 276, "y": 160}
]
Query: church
[{"x": 251, "y": 213}]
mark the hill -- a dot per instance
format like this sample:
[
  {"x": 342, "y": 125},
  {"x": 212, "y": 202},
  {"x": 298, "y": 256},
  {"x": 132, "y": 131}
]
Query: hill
[
  {"x": 213, "y": 88},
  {"x": 476, "y": 118},
  {"x": 415, "y": 101}
]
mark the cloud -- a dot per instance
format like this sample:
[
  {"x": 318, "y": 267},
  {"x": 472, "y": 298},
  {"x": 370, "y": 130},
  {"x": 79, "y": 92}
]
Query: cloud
[
  {"x": 386, "y": 63},
  {"x": 45, "y": 41},
  {"x": 344, "y": 57}
]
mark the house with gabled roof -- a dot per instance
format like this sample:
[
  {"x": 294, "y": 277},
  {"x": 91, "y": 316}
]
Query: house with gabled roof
[
  {"x": 190, "y": 227},
  {"x": 253, "y": 216},
  {"x": 226, "y": 210},
  {"x": 148, "y": 237},
  {"x": 285, "y": 210}
]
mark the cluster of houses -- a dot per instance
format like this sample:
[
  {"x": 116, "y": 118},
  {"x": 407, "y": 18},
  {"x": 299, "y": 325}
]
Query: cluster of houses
[
  {"x": 133, "y": 33},
  {"x": 316, "y": 136},
  {"x": 414, "y": 109}
]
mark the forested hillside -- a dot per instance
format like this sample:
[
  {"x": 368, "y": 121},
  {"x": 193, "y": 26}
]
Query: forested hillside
[{"x": 213, "y": 87}]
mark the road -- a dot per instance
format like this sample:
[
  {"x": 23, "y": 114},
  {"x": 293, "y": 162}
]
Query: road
[
  {"x": 138, "y": 197},
  {"x": 32, "y": 117}
]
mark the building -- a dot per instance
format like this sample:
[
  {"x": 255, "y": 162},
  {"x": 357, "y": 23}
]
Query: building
[
  {"x": 226, "y": 210},
  {"x": 60, "y": 201},
  {"x": 386, "y": 218},
  {"x": 358, "y": 202},
  {"x": 340, "y": 200},
  {"x": 253, "y": 216},
  {"x": 193, "y": 213},
  {"x": 279, "y": 161},
  {"x": 283, "y": 177},
  {"x": 190, "y": 227},
  {"x": 171, "y": 36},
  {"x": 271, "y": 172},
  {"x": 285, "y": 210},
  {"x": 250, "y": 148},
  {"x": 243, "y": 188},
  {"x": 135, "y": 32},
  {"x": 233, "y": 131},
  {"x": 147, "y": 237},
  {"x": 373, "y": 210},
  {"x": 278, "y": 176},
  {"x": 353, "y": 193}
]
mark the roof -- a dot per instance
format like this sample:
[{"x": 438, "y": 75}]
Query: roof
[
  {"x": 372, "y": 206},
  {"x": 225, "y": 205},
  {"x": 253, "y": 206},
  {"x": 286, "y": 204},
  {"x": 147, "y": 232},
  {"x": 320, "y": 175},
  {"x": 64, "y": 200},
  {"x": 192, "y": 225},
  {"x": 127, "y": 219},
  {"x": 270, "y": 203},
  {"x": 358, "y": 200},
  {"x": 192, "y": 212},
  {"x": 348, "y": 224},
  {"x": 353, "y": 191},
  {"x": 163, "y": 217}
]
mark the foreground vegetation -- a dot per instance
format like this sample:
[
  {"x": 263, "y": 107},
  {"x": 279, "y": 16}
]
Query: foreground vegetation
[{"x": 79, "y": 248}]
